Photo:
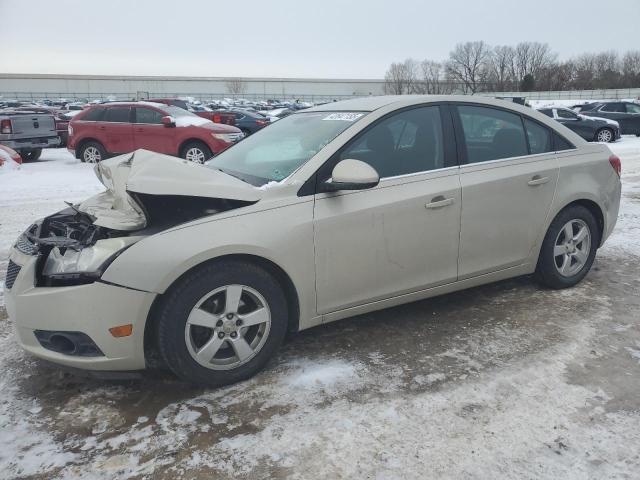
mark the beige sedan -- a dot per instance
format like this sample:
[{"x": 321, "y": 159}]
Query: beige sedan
[{"x": 334, "y": 211}]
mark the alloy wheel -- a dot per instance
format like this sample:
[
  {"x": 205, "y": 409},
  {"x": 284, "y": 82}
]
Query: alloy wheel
[
  {"x": 227, "y": 327},
  {"x": 195, "y": 155},
  {"x": 572, "y": 248},
  {"x": 92, "y": 155},
  {"x": 605, "y": 136}
]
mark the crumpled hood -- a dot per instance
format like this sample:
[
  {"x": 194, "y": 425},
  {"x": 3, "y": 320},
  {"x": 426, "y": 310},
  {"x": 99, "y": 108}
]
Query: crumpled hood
[{"x": 153, "y": 173}]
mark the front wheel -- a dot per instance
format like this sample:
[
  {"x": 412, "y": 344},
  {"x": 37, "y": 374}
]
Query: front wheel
[
  {"x": 196, "y": 152},
  {"x": 221, "y": 323},
  {"x": 569, "y": 248},
  {"x": 92, "y": 152},
  {"x": 605, "y": 135}
]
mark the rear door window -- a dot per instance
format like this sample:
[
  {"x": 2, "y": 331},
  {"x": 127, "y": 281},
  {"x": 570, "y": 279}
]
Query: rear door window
[
  {"x": 539, "y": 137},
  {"x": 491, "y": 134},
  {"x": 632, "y": 108},
  {"x": 117, "y": 115},
  {"x": 613, "y": 107}
]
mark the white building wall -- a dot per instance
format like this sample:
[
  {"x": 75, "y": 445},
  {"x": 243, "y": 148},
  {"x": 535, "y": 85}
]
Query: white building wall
[{"x": 26, "y": 86}]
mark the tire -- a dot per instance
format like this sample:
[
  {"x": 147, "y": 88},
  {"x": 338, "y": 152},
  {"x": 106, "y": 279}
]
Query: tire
[
  {"x": 196, "y": 152},
  {"x": 211, "y": 355},
  {"x": 92, "y": 152},
  {"x": 31, "y": 155},
  {"x": 246, "y": 132},
  {"x": 562, "y": 264},
  {"x": 605, "y": 135}
]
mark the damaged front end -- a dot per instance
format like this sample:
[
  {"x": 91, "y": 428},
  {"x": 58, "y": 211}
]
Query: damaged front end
[
  {"x": 146, "y": 193},
  {"x": 71, "y": 250}
]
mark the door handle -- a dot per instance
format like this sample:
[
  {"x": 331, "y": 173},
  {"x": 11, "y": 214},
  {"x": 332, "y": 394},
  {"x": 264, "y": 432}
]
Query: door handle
[
  {"x": 537, "y": 180},
  {"x": 139, "y": 129},
  {"x": 439, "y": 202}
]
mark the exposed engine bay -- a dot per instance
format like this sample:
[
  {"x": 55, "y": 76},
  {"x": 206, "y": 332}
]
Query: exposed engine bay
[{"x": 77, "y": 244}]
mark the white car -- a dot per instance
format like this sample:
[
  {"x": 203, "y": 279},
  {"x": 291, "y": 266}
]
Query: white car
[{"x": 330, "y": 212}]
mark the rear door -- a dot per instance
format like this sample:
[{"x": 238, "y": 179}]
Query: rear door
[
  {"x": 508, "y": 181},
  {"x": 398, "y": 237},
  {"x": 117, "y": 129},
  {"x": 614, "y": 111},
  {"x": 150, "y": 133},
  {"x": 633, "y": 118}
]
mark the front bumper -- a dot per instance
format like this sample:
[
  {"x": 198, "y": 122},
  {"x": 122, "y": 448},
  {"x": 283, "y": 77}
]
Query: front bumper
[
  {"x": 31, "y": 143},
  {"x": 91, "y": 309}
]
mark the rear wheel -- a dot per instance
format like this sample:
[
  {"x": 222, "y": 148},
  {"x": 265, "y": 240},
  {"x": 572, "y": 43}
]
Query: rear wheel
[
  {"x": 31, "y": 154},
  {"x": 605, "y": 135},
  {"x": 92, "y": 152},
  {"x": 569, "y": 248},
  {"x": 196, "y": 152},
  {"x": 221, "y": 323}
]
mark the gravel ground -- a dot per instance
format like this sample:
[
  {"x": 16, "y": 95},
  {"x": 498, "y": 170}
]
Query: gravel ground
[{"x": 504, "y": 381}]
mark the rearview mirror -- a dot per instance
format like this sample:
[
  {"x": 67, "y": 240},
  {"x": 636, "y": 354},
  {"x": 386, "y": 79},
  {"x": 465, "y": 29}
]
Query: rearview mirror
[
  {"x": 352, "y": 174},
  {"x": 168, "y": 121}
]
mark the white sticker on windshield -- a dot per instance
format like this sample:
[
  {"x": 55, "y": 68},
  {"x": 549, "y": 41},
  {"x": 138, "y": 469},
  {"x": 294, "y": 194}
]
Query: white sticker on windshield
[{"x": 345, "y": 117}]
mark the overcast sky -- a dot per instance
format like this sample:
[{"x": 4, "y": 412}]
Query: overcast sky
[{"x": 290, "y": 38}]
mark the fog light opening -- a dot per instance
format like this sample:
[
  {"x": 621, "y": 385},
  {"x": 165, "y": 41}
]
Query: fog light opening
[{"x": 62, "y": 344}]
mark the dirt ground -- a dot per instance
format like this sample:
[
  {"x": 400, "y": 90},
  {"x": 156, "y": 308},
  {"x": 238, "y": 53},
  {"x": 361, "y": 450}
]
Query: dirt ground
[{"x": 508, "y": 380}]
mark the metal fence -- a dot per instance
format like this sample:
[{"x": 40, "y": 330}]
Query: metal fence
[
  {"x": 612, "y": 94},
  {"x": 203, "y": 97}
]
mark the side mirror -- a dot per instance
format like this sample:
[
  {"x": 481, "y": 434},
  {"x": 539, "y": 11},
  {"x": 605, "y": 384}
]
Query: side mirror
[
  {"x": 352, "y": 174},
  {"x": 168, "y": 121}
]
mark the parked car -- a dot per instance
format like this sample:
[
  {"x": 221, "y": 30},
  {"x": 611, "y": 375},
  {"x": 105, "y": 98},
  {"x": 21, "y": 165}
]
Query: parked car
[
  {"x": 247, "y": 121},
  {"x": 204, "y": 112},
  {"x": 28, "y": 132},
  {"x": 109, "y": 129},
  {"x": 7, "y": 154},
  {"x": 627, "y": 114},
  {"x": 331, "y": 212},
  {"x": 590, "y": 128}
]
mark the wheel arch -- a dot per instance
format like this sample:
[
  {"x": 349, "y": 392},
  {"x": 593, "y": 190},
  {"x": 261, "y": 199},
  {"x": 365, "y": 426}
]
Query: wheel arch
[
  {"x": 86, "y": 140},
  {"x": 189, "y": 140},
  {"x": 152, "y": 356}
]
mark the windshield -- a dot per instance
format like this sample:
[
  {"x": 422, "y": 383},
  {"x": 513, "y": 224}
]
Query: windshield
[{"x": 275, "y": 152}]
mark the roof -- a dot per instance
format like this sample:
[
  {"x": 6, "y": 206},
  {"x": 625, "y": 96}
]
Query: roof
[{"x": 369, "y": 104}]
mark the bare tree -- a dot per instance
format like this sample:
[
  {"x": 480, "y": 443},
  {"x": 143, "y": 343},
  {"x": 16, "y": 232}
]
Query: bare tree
[
  {"x": 631, "y": 68},
  {"x": 500, "y": 68},
  {"x": 236, "y": 86},
  {"x": 432, "y": 81},
  {"x": 467, "y": 64},
  {"x": 401, "y": 77},
  {"x": 530, "y": 58}
]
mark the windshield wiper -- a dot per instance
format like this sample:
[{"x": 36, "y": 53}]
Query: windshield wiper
[{"x": 232, "y": 175}]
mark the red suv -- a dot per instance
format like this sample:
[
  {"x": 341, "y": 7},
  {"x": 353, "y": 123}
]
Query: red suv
[{"x": 121, "y": 127}]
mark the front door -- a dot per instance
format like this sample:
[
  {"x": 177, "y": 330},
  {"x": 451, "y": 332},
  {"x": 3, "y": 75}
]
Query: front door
[
  {"x": 150, "y": 133},
  {"x": 508, "y": 183},
  {"x": 118, "y": 129},
  {"x": 398, "y": 237}
]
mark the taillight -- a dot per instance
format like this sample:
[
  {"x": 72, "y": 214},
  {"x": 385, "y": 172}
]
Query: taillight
[
  {"x": 216, "y": 119},
  {"x": 261, "y": 122},
  {"x": 5, "y": 126},
  {"x": 615, "y": 162}
]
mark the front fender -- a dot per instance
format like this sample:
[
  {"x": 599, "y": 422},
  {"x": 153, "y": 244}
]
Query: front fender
[{"x": 283, "y": 236}]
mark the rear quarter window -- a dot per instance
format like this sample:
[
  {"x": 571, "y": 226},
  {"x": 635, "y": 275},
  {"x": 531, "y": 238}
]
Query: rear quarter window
[{"x": 94, "y": 115}]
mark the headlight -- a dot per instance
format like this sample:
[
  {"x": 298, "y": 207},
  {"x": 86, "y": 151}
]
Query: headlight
[
  {"x": 68, "y": 265},
  {"x": 228, "y": 137}
]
